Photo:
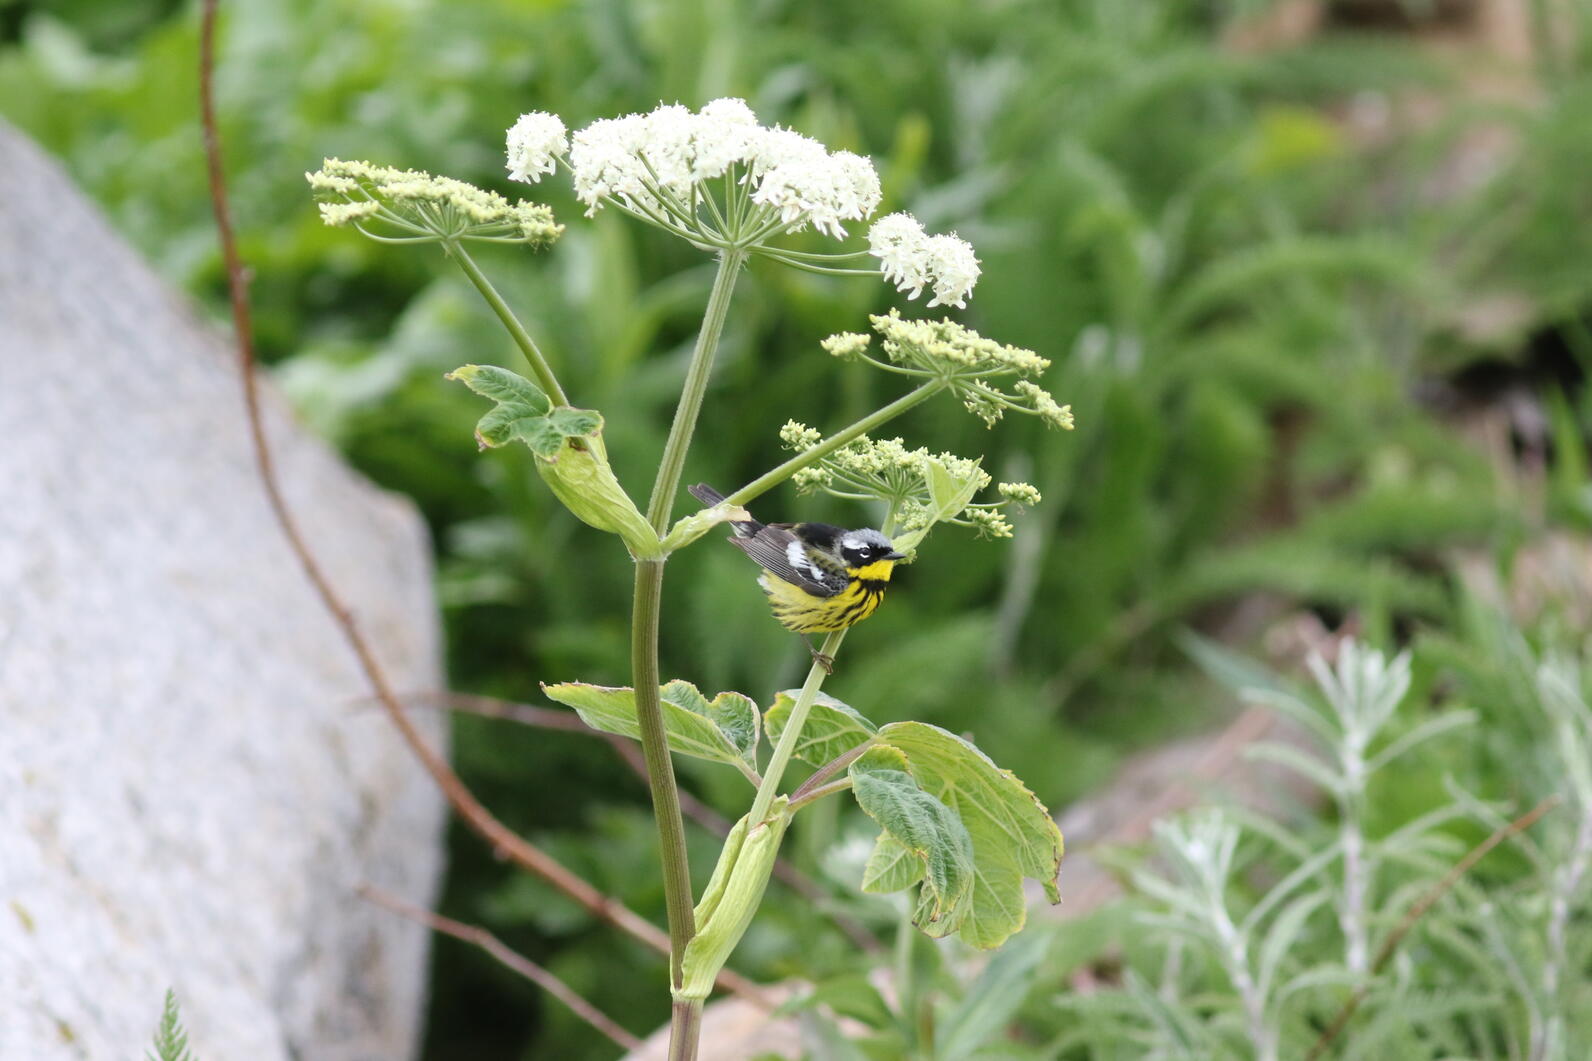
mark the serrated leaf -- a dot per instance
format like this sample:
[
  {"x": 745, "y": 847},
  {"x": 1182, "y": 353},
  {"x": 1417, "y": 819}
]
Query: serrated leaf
[
  {"x": 722, "y": 730},
  {"x": 926, "y": 829},
  {"x": 735, "y": 715},
  {"x": 524, "y": 412},
  {"x": 503, "y": 386},
  {"x": 1013, "y": 834},
  {"x": 570, "y": 456},
  {"x": 891, "y": 867},
  {"x": 832, "y": 727},
  {"x": 498, "y": 426}
]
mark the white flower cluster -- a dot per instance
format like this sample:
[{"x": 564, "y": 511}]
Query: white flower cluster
[
  {"x": 657, "y": 165},
  {"x": 642, "y": 160},
  {"x": 911, "y": 259},
  {"x": 536, "y": 143}
]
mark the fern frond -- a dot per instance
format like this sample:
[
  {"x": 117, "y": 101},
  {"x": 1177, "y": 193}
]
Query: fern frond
[{"x": 171, "y": 1039}]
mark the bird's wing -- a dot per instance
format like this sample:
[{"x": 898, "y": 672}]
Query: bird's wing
[{"x": 784, "y": 556}]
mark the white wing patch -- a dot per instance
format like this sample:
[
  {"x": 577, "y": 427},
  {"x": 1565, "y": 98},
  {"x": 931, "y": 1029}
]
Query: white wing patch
[{"x": 797, "y": 555}]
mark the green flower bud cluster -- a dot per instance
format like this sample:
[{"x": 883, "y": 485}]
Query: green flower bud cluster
[
  {"x": 918, "y": 488},
  {"x": 963, "y": 360},
  {"x": 410, "y": 206}
]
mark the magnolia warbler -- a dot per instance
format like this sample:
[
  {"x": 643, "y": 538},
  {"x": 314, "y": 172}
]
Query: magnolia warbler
[{"x": 819, "y": 578}]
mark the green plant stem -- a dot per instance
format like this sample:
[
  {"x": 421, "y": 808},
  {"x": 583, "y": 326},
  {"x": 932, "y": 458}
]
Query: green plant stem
[
  {"x": 685, "y": 1029},
  {"x": 818, "y": 792},
  {"x": 766, "y": 482},
  {"x": 660, "y": 770},
  {"x": 826, "y": 773},
  {"x": 665, "y": 486},
  {"x": 906, "y": 993},
  {"x": 793, "y": 729},
  {"x": 644, "y": 650},
  {"x": 522, "y": 338}
]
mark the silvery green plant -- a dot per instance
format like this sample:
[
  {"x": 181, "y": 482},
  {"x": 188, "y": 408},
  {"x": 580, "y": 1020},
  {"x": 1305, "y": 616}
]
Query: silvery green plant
[
  {"x": 1258, "y": 931},
  {"x": 955, "y": 827},
  {"x": 1534, "y": 948},
  {"x": 1255, "y": 944}
]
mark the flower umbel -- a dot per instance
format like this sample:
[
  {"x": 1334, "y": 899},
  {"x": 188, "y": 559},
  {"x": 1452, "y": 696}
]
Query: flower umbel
[
  {"x": 911, "y": 259},
  {"x": 961, "y": 358},
  {"x": 719, "y": 179},
  {"x": 918, "y": 488},
  {"x": 536, "y": 142},
  {"x": 410, "y": 206}
]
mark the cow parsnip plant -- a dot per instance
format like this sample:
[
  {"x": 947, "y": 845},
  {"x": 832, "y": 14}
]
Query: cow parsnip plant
[{"x": 952, "y": 824}]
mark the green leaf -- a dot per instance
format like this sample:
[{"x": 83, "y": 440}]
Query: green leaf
[
  {"x": 950, "y": 494},
  {"x": 498, "y": 426},
  {"x": 580, "y": 477},
  {"x": 923, "y": 828},
  {"x": 1013, "y": 834},
  {"x": 503, "y": 386},
  {"x": 735, "y": 715},
  {"x": 722, "y": 730},
  {"x": 832, "y": 728},
  {"x": 731, "y": 899},
  {"x": 570, "y": 456},
  {"x": 171, "y": 1039},
  {"x": 890, "y": 867},
  {"x": 524, "y": 412}
]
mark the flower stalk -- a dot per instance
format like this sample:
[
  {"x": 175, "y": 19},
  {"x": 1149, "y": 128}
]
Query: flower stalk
[
  {"x": 522, "y": 338},
  {"x": 660, "y": 769},
  {"x": 793, "y": 729},
  {"x": 878, "y": 418},
  {"x": 644, "y": 629},
  {"x": 667, "y": 483},
  {"x": 729, "y": 186}
]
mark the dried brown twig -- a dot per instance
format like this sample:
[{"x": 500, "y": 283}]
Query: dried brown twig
[
  {"x": 510, "y": 957},
  {"x": 505, "y": 842}
]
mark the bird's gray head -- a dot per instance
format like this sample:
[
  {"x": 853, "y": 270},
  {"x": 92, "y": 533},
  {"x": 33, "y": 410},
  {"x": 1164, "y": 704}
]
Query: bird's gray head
[{"x": 858, "y": 548}]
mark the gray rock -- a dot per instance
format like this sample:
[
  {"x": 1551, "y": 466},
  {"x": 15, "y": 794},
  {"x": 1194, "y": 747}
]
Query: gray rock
[{"x": 192, "y": 782}]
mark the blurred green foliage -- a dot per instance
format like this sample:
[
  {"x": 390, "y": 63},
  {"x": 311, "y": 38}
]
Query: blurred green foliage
[{"x": 1267, "y": 320}]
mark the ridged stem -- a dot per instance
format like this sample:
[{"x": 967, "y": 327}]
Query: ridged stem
[
  {"x": 696, "y": 384},
  {"x": 686, "y": 1027},
  {"x": 766, "y": 482},
  {"x": 522, "y": 338},
  {"x": 660, "y": 770},
  {"x": 793, "y": 729}
]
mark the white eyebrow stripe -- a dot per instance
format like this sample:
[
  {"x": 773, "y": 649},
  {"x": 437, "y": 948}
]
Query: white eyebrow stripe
[{"x": 852, "y": 542}]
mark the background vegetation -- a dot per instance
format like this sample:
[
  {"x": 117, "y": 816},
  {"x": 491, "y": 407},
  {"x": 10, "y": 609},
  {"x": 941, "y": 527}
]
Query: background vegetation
[{"x": 1320, "y": 306}]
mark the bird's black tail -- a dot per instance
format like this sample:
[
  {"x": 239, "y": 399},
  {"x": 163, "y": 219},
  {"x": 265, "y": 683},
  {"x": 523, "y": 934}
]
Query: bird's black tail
[{"x": 705, "y": 494}]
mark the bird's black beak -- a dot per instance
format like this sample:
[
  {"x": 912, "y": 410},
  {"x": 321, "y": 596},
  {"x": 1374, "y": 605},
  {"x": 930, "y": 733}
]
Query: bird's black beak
[{"x": 895, "y": 556}]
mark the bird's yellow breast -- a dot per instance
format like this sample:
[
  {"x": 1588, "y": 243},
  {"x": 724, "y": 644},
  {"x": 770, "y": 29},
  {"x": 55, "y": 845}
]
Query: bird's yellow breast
[{"x": 806, "y": 613}]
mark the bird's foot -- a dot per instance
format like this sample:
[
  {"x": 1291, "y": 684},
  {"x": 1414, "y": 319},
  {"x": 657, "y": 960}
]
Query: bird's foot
[{"x": 826, "y": 662}]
